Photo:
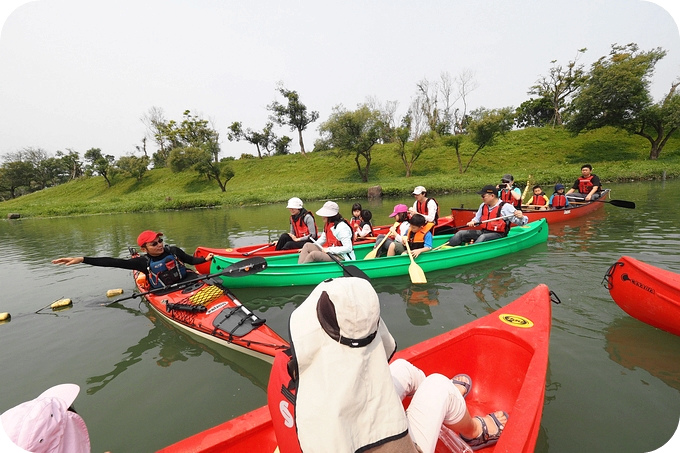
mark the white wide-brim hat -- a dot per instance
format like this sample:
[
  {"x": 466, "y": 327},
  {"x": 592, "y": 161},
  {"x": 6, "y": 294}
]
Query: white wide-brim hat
[
  {"x": 45, "y": 425},
  {"x": 295, "y": 203},
  {"x": 329, "y": 209},
  {"x": 342, "y": 348}
]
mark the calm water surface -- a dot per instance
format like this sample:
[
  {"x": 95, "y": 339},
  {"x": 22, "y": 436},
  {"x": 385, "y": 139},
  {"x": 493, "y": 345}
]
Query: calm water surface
[{"x": 613, "y": 382}]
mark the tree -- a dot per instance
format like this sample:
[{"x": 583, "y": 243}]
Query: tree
[
  {"x": 560, "y": 83},
  {"x": 410, "y": 152},
  {"x": 534, "y": 113},
  {"x": 100, "y": 164},
  {"x": 200, "y": 160},
  {"x": 437, "y": 101},
  {"x": 294, "y": 114},
  {"x": 71, "y": 164},
  {"x": 15, "y": 175},
  {"x": 156, "y": 126},
  {"x": 617, "y": 94},
  {"x": 266, "y": 139},
  {"x": 355, "y": 132},
  {"x": 486, "y": 126},
  {"x": 134, "y": 166}
]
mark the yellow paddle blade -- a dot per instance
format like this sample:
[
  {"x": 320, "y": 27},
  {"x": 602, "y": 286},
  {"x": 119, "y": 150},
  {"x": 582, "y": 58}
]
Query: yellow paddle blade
[
  {"x": 416, "y": 273},
  {"x": 371, "y": 255}
]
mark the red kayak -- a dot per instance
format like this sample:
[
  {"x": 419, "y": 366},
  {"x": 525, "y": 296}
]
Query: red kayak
[
  {"x": 461, "y": 216},
  {"x": 646, "y": 292},
  {"x": 213, "y": 312},
  {"x": 444, "y": 226},
  {"x": 505, "y": 353}
]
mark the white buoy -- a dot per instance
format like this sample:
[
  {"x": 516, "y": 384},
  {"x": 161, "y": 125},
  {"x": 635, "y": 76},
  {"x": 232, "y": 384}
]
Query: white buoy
[
  {"x": 5, "y": 316},
  {"x": 61, "y": 303}
]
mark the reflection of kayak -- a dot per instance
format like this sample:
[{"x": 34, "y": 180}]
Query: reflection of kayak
[
  {"x": 646, "y": 292},
  {"x": 461, "y": 216},
  {"x": 634, "y": 345},
  {"x": 505, "y": 353},
  {"x": 284, "y": 270},
  {"x": 213, "y": 312},
  {"x": 444, "y": 226}
]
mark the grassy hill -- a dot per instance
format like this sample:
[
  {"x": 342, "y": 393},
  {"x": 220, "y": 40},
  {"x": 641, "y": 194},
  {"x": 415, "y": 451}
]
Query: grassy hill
[{"x": 548, "y": 155}]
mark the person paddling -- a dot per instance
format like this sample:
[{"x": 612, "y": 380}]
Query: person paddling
[{"x": 163, "y": 265}]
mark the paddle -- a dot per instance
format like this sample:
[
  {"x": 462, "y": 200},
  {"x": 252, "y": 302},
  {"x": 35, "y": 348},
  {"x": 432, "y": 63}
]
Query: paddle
[
  {"x": 474, "y": 226},
  {"x": 414, "y": 271},
  {"x": 239, "y": 269},
  {"x": 373, "y": 253},
  {"x": 619, "y": 203},
  {"x": 351, "y": 271},
  {"x": 257, "y": 250}
]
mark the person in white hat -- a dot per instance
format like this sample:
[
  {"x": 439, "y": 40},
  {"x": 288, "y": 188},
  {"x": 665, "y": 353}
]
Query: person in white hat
[
  {"x": 302, "y": 227},
  {"x": 349, "y": 398},
  {"x": 336, "y": 238},
  {"x": 427, "y": 207},
  {"x": 47, "y": 424}
]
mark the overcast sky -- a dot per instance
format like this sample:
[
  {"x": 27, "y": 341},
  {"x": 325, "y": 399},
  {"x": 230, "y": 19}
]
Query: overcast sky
[{"x": 80, "y": 74}]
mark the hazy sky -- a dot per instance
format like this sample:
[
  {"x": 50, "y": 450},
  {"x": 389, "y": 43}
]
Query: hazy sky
[{"x": 80, "y": 74}]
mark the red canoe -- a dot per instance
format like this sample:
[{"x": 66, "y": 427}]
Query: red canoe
[
  {"x": 461, "y": 216},
  {"x": 444, "y": 226},
  {"x": 213, "y": 312},
  {"x": 646, "y": 292},
  {"x": 505, "y": 353}
]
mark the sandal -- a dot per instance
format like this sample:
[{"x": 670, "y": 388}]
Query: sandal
[
  {"x": 467, "y": 385},
  {"x": 485, "y": 439}
]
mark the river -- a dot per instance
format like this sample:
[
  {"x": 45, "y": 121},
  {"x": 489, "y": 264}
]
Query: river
[{"x": 613, "y": 383}]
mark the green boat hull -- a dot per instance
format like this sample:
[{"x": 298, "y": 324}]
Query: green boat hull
[{"x": 283, "y": 270}]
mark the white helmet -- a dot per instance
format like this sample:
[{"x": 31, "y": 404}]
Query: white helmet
[{"x": 294, "y": 203}]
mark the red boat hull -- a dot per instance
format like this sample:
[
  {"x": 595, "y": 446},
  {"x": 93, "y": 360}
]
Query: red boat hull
[
  {"x": 444, "y": 226},
  {"x": 505, "y": 353},
  {"x": 646, "y": 292},
  {"x": 461, "y": 216},
  {"x": 218, "y": 322}
]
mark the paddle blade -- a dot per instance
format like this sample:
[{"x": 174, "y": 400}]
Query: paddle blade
[
  {"x": 623, "y": 204},
  {"x": 245, "y": 267},
  {"x": 353, "y": 271},
  {"x": 416, "y": 273},
  {"x": 371, "y": 255}
]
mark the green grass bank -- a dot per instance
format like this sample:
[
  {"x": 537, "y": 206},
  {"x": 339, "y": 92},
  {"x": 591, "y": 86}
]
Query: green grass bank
[{"x": 548, "y": 155}]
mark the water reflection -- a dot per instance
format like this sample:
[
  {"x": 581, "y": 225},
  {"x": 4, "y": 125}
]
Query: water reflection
[
  {"x": 172, "y": 346},
  {"x": 634, "y": 344}
]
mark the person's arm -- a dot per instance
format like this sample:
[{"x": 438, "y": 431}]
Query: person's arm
[
  {"x": 516, "y": 216},
  {"x": 547, "y": 200},
  {"x": 189, "y": 259},
  {"x": 516, "y": 193},
  {"x": 573, "y": 189},
  {"x": 596, "y": 187},
  {"x": 477, "y": 218},
  {"x": 431, "y": 211},
  {"x": 364, "y": 231},
  {"x": 138, "y": 264},
  {"x": 311, "y": 226}
]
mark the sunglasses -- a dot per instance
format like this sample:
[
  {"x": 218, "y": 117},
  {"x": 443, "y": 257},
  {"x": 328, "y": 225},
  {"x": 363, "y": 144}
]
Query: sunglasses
[{"x": 155, "y": 243}]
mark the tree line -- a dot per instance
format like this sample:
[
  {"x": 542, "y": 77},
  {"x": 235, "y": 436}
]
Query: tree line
[{"x": 614, "y": 91}]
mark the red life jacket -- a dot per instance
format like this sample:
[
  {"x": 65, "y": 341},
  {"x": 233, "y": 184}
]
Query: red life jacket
[
  {"x": 281, "y": 394},
  {"x": 539, "y": 200},
  {"x": 300, "y": 228},
  {"x": 559, "y": 200},
  {"x": 585, "y": 185},
  {"x": 497, "y": 226},
  {"x": 331, "y": 240},
  {"x": 506, "y": 196},
  {"x": 361, "y": 227},
  {"x": 421, "y": 208},
  {"x": 355, "y": 223},
  {"x": 417, "y": 240}
]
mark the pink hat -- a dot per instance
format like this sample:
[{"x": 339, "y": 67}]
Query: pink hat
[
  {"x": 399, "y": 209},
  {"x": 45, "y": 425},
  {"x": 147, "y": 236}
]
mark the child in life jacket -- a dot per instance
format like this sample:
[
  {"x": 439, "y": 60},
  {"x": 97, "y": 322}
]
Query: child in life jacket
[
  {"x": 558, "y": 200},
  {"x": 355, "y": 221},
  {"x": 365, "y": 228},
  {"x": 539, "y": 200},
  {"x": 419, "y": 236}
]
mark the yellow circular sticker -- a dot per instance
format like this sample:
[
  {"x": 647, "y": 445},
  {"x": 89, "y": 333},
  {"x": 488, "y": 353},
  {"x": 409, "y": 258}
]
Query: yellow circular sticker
[
  {"x": 516, "y": 320},
  {"x": 228, "y": 250}
]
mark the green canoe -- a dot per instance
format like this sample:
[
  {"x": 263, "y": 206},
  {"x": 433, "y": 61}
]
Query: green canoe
[{"x": 283, "y": 270}]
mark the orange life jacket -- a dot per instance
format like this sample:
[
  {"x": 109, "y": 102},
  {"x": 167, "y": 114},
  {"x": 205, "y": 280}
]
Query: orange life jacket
[
  {"x": 281, "y": 394},
  {"x": 506, "y": 196},
  {"x": 539, "y": 200},
  {"x": 331, "y": 240},
  {"x": 417, "y": 240},
  {"x": 300, "y": 228},
  {"x": 585, "y": 185},
  {"x": 497, "y": 226},
  {"x": 421, "y": 208},
  {"x": 559, "y": 200},
  {"x": 355, "y": 223}
]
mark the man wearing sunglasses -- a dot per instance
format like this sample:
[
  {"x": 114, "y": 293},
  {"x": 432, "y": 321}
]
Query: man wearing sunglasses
[{"x": 163, "y": 265}]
